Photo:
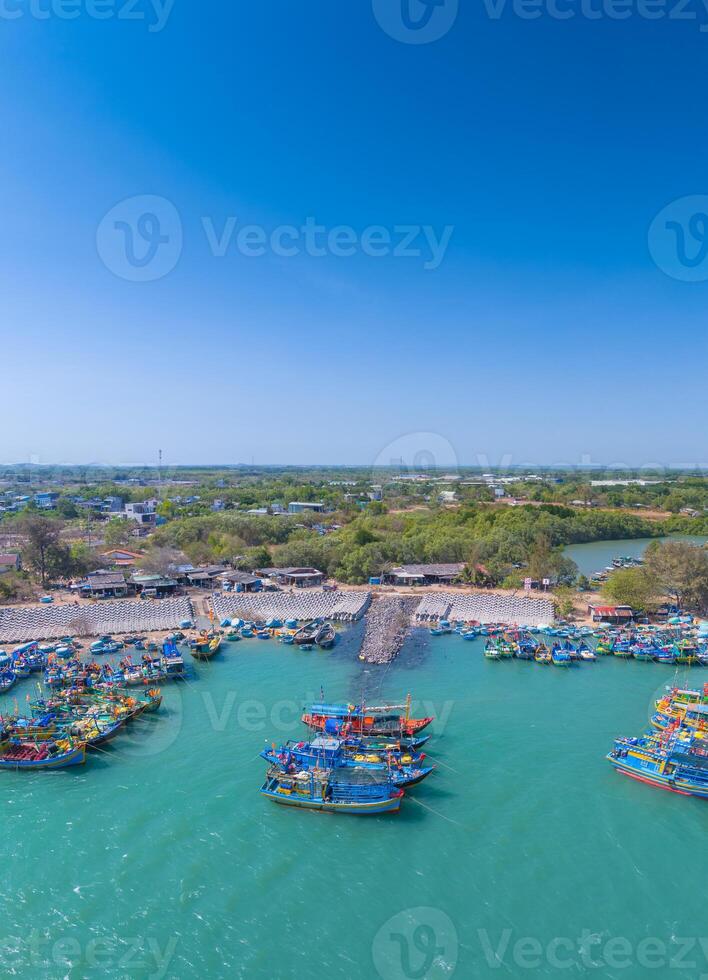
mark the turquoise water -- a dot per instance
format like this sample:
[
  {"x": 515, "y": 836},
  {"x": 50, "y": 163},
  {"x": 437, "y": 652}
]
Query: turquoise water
[
  {"x": 160, "y": 858},
  {"x": 596, "y": 555}
]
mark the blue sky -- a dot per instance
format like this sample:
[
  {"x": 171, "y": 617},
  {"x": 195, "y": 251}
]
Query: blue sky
[{"x": 546, "y": 333}]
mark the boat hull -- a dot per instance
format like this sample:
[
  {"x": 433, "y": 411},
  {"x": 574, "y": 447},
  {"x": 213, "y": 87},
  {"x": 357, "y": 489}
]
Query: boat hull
[
  {"x": 391, "y": 805},
  {"x": 658, "y": 780},
  {"x": 76, "y": 757}
]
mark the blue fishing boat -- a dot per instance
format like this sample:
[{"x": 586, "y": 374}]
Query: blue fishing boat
[
  {"x": 172, "y": 661},
  {"x": 353, "y": 791},
  {"x": 8, "y": 679},
  {"x": 333, "y": 753},
  {"x": 677, "y": 763},
  {"x": 526, "y": 647},
  {"x": 17, "y": 754},
  {"x": 442, "y": 629},
  {"x": 561, "y": 657}
]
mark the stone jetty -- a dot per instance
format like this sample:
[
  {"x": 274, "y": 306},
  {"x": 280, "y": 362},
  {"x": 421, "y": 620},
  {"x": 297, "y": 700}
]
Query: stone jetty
[{"x": 388, "y": 620}]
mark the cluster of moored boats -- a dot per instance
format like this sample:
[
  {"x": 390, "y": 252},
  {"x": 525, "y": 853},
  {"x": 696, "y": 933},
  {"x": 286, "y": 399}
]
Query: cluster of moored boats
[
  {"x": 673, "y": 754},
  {"x": 356, "y": 759},
  {"x": 318, "y": 632},
  {"x": 682, "y": 643},
  {"x": 87, "y": 704}
]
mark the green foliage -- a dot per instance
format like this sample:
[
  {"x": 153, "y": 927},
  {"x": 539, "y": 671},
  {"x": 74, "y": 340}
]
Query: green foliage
[
  {"x": 681, "y": 571},
  {"x": 116, "y": 533},
  {"x": 635, "y": 587}
]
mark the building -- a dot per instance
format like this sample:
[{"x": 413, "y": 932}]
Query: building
[
  {"x": 240, "y": 582},
  {"x": 10, "y": 563},
  {"x": 447, "y": 496},
  {"x": 105, "y": 585},
  {"x": 299, "y": 506},
  {"x": 205, "y": 578},
  {"x": 142, "y": 513},
  {"x": 442, "y": 574},
  {"x": 46, "y": 500},
  {"x": 153, "y": 586},
  {"x": 611, "y": 614},
  {"x": 120, "y": 557},
  {"x": 301, "y": 578}
]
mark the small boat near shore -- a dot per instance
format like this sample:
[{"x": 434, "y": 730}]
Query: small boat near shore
[{"x": 206, "y": 646}]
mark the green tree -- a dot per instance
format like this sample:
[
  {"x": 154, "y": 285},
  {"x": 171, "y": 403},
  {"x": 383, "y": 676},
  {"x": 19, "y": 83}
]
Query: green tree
[
  {"x": 635, "y": 587},
  {"x": 116, "y": 533},
  {"x": 681, "y": 571},
  {"x": 42, "y": 550}
]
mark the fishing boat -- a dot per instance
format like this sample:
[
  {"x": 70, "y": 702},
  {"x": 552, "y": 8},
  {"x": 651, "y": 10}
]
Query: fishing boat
[
  {"x": 331, "y": 753},
  {"x": 543, "y": 655},
  {"x": 681, "y": 707},
  {"x": 352, "y": 791},
  {"x": 8, "y": 679},
  {"x": 586, "y": 654},
  {"x": 307, "y": 633},
  {"x": 442, "y": 629},
  {"x": 326, "y": 637},
  {"x": 526, "y": 647},
  {"x": 172, "y": 661},
  {"x": 561, "y": 657},
  {"x": 672, "y": 762},
  {"x": 382, "y": 743},
  {"x": 364, "y": 720},
  {"x": 206, "y": 646},
  {"x": 687, "y": 652},
  {"x": 46, "y": 754},
  {"x": 491, "y": 650}
]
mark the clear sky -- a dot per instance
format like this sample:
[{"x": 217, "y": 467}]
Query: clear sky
[{"x": 532, "y": 325}]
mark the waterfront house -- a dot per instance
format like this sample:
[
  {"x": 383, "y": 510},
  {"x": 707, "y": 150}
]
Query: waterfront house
[
  {"x": 611, "y": 614},
  {"x": 104, "y": 585},
  {"x": 240, "y": 582},
  {"x": 205, "y": 578},
  {"x": 301, "y": 578},
  {"x": 153, "y": 586},
  {"x": 434, "y": 574}
]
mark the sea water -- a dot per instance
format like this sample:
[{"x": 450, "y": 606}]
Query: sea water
[{"x": 523, "y": 854}]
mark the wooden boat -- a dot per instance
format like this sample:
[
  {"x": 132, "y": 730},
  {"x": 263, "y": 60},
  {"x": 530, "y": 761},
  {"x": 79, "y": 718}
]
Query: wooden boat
[
  {"x": 47, "y": 754},
  {"x": 8, "y": 679},
  {"x": 586, "y": 654},
  {"x": 526, "y": 647},
  {"x": 687, "y": 653},
  {"x": 206, "y": 647},
  {"x": 364, "y": 720},
  {"x": 351, "y": 791},
  {"x": 543, "y": 655},
  {"x": 326, "y": 637},
  {"x": 313, "y": 632},
  {"x": 324, "y": 752},
  {"x": 561, "y": 657},
  {"x": 674, "y": 763}
]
